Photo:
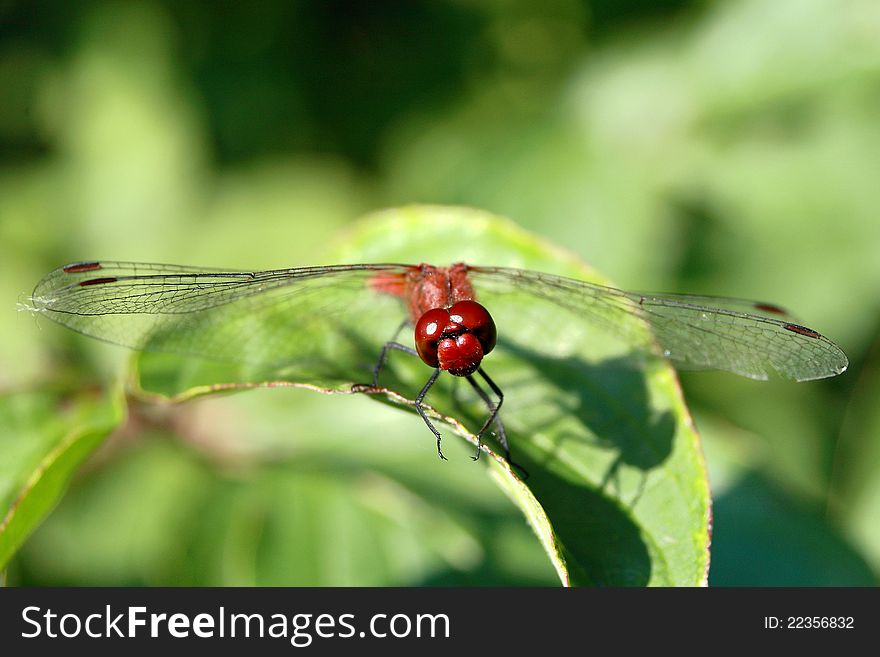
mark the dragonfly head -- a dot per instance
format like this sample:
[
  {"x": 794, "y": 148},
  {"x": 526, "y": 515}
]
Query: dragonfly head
[{"x": 455, "y": 339}]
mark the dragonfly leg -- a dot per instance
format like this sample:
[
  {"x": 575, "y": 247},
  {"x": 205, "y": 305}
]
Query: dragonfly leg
[
  {"x": 494, "y": 417},
  {"x": 421, "y": 410},
  {"x": 391, "y": 344}
]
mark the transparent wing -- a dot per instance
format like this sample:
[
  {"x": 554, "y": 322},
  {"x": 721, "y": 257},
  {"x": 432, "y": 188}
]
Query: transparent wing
[
  {"x": 753, "y": 339},
  {"x": 314, "y": 321},
  {"x": 318, "y": 321}
]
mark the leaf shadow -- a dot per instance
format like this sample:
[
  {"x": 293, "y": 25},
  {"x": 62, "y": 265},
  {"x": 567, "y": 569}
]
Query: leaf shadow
[
  {"x": 609, "y": 403},
  {"x": 610, "y": 406}
]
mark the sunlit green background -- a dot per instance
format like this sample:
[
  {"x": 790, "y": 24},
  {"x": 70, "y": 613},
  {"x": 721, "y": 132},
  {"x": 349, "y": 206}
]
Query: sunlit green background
[{"x": 725, "y": 148}]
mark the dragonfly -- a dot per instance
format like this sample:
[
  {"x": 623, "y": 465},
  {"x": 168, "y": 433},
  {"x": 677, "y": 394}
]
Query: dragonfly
[{"x": 313, "y": 322}]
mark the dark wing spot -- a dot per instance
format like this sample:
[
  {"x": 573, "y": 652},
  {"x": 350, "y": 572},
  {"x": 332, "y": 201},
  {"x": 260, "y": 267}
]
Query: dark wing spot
[
  {"x": 801, "y": 330},
  {"x": 770, "y": 308},
  {"x": 97, "y": 281},
  {"x": 78, "y": 267}
]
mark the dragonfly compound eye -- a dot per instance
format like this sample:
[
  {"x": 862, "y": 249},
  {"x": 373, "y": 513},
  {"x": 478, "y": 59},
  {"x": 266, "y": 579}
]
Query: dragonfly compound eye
[
  {"x": 429, "y": 329},
  {"x": 477, "y": 320},
  {"x": 455, "y": 339}
]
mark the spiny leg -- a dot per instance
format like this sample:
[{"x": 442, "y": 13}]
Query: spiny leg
[
  {"x": 502, "y": 436},
  {"x": 497, "y": 407},
  {"x": 383, "y": 356},
  {"x": 493, "y": 415},
  {"x": 391, "y": 344},
  {"x": 419, "y": 398}
]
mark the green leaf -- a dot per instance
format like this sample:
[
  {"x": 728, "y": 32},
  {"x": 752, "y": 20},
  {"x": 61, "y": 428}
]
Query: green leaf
[
  {"x": 265, "y": 492},
  {"x": 618, "y": 492},
  {"x": 126, "y": 522},
  {"x": 318, "y": 528},
  {"x": 45, "y": 435}
]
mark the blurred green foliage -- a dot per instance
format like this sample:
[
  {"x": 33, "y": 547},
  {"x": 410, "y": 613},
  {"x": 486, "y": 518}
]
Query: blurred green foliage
[{"x": 723, "y": 148}]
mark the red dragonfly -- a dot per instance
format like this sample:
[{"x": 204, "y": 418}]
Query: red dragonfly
[{"x": 309, "y": 322}]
